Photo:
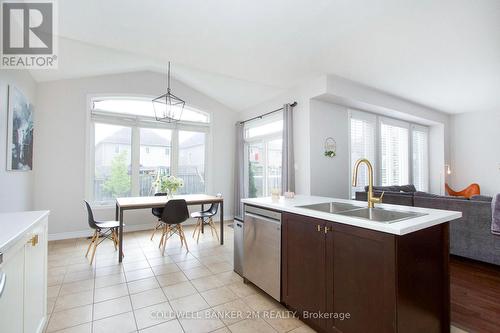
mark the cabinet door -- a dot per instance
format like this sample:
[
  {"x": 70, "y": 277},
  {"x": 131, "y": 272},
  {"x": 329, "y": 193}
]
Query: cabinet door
[
  {"x": 363, "y": 280},
  {"x": 11, "y": 300},
  {"x": 35, "y": 296},
  {"x": 303, "y": 271}
]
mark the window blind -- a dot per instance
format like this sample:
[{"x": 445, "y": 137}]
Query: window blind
[
  {"x": 394, "y": 152},
  {"x": 420, "y": 157},
  {"x": 363, "y": 143}
]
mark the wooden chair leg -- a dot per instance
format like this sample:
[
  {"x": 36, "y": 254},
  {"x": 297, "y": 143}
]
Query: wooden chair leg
[
  {"x": 114, "y": 238},
  {"x": 157, "y": 226},
  {"x": 212, "y": 227},
  {"x": 167, "y": 229},
  {"x": 91, "y": 242},
  {"x": 196, "y": 227},
  {"x": 96, "y": 242},
  {"x": 199, "y": 231},
  {"x": 181, "y": 232}
]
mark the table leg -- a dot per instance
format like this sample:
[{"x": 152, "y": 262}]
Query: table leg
[
  {"x": 120, "y": 237},
  {"x": 116, "y": 212},
  {"x": 202, "y": 221},
  {"x": 222, "y": 223}
]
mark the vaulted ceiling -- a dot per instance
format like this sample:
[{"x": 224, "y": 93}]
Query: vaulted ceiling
[{"x": 444, "y": 54}]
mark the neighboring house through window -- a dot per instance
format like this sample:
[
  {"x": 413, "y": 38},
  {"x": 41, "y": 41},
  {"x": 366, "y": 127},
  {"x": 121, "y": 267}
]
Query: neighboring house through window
[{"x": 131, "y": 150}]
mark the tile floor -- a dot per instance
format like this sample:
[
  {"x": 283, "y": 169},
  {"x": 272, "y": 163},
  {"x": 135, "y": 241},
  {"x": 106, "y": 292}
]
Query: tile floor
[
  {"x": 192, "y": 292},
  {"x": 181, "y": 292}
]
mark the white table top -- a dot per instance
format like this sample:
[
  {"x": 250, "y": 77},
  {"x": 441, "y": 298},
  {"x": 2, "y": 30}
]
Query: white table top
[
  {"x": 433, "y": 216},
  {"x": 14, "y": 225},
  {"x": 160, "y": 201}
]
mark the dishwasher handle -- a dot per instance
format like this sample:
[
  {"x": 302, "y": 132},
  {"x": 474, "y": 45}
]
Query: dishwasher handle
[
  {"x": 3, "y": 280},
  {"x": 259, "y": 217}
]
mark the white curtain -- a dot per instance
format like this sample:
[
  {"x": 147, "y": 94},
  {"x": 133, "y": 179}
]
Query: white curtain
[
  {"x": 239, "y": 167},
  {"x": 287, "y": 162}
]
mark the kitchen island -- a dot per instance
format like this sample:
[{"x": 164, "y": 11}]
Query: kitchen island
[{"x": 343, "y": 272}]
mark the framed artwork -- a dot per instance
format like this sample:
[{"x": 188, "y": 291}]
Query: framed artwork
[{"x": 19, "y": 131}]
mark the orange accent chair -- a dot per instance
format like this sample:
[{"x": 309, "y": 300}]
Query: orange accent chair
[{"x": 468, "y": 192}]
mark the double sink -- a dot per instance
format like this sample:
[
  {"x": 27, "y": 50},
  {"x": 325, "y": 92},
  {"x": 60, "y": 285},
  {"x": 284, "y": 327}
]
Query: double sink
[{"x": 372, "y": 214}]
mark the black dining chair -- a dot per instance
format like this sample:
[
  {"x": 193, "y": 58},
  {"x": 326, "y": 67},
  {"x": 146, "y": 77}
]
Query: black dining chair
[
  {"x": 205, "y": 217},
  {"x": 104, "y": 229},
  {"x": 174, "y": 214},
  {"x": 157, "y": 212}
]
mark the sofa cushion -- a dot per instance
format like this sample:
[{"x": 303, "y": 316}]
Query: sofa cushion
[
  {"x": 384, "y": 188},
  {"x": 481, "y": 198},
  {"x": 437, "y": 196},
  {"x": 410, "y": 188}
]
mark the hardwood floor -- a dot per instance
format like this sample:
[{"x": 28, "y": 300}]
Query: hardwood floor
[{"x": 475, "y": 295}]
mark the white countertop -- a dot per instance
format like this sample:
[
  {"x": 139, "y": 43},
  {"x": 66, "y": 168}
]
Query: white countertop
[
  {"x": 14, "y": 225},
  {"x": 432, "y": 217}
]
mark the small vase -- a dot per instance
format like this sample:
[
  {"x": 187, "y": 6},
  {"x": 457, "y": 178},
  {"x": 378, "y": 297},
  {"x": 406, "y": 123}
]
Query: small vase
[{"x": 170, "y": 194}]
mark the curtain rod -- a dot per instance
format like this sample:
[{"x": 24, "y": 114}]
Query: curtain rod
[{"x": 294, "y": 104}]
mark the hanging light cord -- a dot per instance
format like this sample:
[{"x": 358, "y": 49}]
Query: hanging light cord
[{"x": 168, "y": 77}]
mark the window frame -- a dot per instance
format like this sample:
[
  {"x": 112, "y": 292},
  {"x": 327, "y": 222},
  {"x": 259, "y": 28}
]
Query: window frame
[
  {"x": 264, "y": 140},
  {"x": 378, "y": 119},
  {"x": 136, "y": 123}
]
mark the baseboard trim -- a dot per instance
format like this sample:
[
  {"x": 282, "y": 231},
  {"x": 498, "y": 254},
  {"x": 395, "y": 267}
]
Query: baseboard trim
[{"x": 127, "y": 228}]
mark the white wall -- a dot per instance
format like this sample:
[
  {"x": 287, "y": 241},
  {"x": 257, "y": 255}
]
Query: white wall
[
  {"x": 475, "y": 152},
  {"x": 61, "y": 145},
  {"x": 323, "y": 110},
  {"x": 16, "y": 190},
  {"x": 329, "y": 176}
]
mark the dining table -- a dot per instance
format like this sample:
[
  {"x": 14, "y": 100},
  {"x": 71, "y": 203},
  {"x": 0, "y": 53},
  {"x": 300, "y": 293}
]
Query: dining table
[{"x": 133, "y": 203}]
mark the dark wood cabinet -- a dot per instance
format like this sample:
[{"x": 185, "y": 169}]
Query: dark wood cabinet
[
  {"x": 303, "y": 265},
  {"x": 383, "y": 282}
]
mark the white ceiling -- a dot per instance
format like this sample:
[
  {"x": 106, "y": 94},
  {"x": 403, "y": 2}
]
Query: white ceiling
[{"x": 444, "y": 54}]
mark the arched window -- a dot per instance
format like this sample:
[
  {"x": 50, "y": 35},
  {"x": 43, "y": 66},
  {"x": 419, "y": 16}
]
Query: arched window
[{"x": 129, "y": 149}]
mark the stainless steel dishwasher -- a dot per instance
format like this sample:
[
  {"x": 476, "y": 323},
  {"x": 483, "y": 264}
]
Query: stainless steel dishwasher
[{"x": 262, "y": 249}]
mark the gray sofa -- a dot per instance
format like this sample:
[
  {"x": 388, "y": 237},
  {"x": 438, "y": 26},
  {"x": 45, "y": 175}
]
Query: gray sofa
[{"x": 470, "y": 236}]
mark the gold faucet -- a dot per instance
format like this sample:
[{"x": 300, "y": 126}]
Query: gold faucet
[{"x": 371, "y": 199}]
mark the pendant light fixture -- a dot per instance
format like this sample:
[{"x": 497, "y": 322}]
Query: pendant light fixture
[{"x": 168, "y": 107}]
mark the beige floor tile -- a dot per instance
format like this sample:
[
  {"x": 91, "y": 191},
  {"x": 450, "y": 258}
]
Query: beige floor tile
[
  {"x": 153, "y": 315},
  {"x": 74, "y": 300},
  {"x": 220, "y": 267},
  {"x": 78, "y": 276},
  {"x": 172, "y": 326},
  {"x": 222, "y": 330},
  {"x": 135, "y": 265},
  {"x": 190, "y": 303},
  {"x": 109, "y": 280},
  {"x": 171, "y": 278},
  {"x": 107, "y": 293},
  {"x": 112, "y": 307},
  {"x": 76, "y": 287},
  {"x": 155, "y": 261},
  {"x": 182, "y": 256},
  {"x": 138, "y": 286},
  {"x": 109, "y": 270},
  {"x": 281, "y": 319},
  {"x": 83, "y": 328},
  {"x": 197, "y": 272},
  {"x": 243, "y": 289},
  {"x": 233, "y": 312},
  {"x": 139, "y": 274},
  {"x": 69, "y": 318},
  {"x": 218, "y": 296},
  {"x": 455, "y": 329},
  {"x": 188, "y": 264},
  {"x": 251, "y": 326},
  {"x": 123, "y": 323},
  {"x": 260, "y": 302},
  {"x": 147, "y": 298},
  {"x": 207, "y": 283},
  {"x": 165, "y": 269},
  {"x": 179, "y": 290},
  {"x": 55, "y": 280},
  {"x": 229, "y": 277},
  {"x": 53, "y": 291},
  {"x": 51, "y": 302},
  {"x": 303, "y": 329},
  {"x": 201, "y": 322}
]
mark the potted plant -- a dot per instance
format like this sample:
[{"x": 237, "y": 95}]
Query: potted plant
[{"x": 170, "y": 185}]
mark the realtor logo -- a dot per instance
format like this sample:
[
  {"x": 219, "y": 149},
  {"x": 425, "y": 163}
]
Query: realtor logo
[{"x": 28, "y": 34}]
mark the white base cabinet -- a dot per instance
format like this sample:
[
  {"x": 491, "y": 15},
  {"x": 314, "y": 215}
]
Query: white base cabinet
[{"x": 23, "y": 302}]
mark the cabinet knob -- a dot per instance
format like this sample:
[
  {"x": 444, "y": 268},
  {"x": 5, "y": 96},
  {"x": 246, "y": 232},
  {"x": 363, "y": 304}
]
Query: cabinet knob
[
  {"x": 318, "y": 228},
  {"x": 327, "y": 229},
  {"x": 34, "y": 240}
]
